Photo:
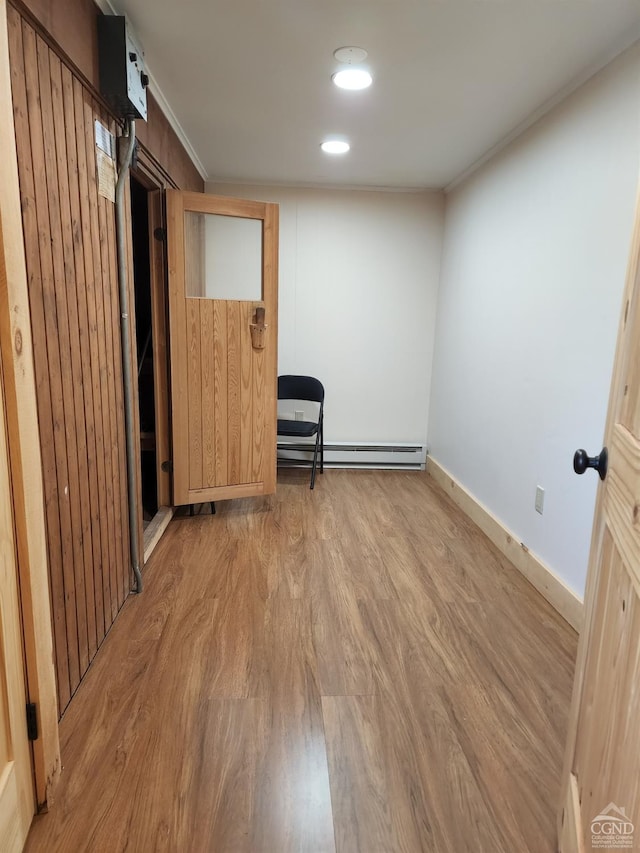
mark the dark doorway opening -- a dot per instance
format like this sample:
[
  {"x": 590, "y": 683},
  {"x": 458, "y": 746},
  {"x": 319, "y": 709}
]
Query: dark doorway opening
[{"x": 145, "y": 348}]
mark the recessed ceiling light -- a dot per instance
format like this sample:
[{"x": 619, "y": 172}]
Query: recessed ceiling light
[
  {"x": 352, "y": 78},
  {"x": 335, "y": 146}
]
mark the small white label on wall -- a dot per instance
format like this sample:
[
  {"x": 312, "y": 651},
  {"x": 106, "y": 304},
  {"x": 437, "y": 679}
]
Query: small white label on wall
[{"x": 105, "y": 140}]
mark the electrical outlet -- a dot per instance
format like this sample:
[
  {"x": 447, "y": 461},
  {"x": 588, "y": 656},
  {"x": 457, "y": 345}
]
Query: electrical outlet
[
  {"x": 539, "y": 499},
  {"x": 299, "y": 415}
]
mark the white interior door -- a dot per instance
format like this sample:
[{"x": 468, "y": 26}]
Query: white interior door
[{"x": 600, "y": 806}]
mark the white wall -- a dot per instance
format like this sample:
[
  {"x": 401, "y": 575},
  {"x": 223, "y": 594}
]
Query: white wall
[
  {"x": 534, "y": 260},
  {"x": 357, "y": 300}
]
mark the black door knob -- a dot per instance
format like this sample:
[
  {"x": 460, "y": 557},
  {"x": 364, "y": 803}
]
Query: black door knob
[{"x": 581, "y": 461}]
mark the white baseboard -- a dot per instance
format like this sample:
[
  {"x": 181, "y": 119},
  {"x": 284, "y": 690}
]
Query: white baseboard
[{"x": 543, "y": 578}]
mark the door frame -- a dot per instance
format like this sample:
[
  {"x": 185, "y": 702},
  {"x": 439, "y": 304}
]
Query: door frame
[
  {"x": 23, "y": 440},
  {"x": 155, "y": 183}
]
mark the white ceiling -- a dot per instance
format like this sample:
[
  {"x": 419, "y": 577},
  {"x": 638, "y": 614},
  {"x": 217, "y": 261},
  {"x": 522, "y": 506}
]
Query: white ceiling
[{"x": 249, "y": 81}]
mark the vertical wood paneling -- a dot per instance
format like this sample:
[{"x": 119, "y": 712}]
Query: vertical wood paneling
[
  {"x": 220, "y": 383},
  {"x": 29, "y": 139},
  {"x": 108, "y": 402},
  {"x": 257, "y": 451},
  {"x": 87, "y": 297},
  {"x": 51, "y": 270},
  {"x": 102, "y": 401},
  {"x": 241, "y": 402},
  {"x": 246, "y": 393},
  {"x": 71, "y": 265},
  {"x": 88, "y": 484},
  {"x": 208, "y": 393},
  {"x": 77, "y": 442},
  {"x": 234, "y": 371},
  {"x": 194, "y": 386},
  {"x": 178, "y": 362}
]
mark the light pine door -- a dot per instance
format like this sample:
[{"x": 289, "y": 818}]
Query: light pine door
[
  {"x": 16, "y": 786},
  {"x": 223, "y": 292},
  {"x": 600, "y": 806}
]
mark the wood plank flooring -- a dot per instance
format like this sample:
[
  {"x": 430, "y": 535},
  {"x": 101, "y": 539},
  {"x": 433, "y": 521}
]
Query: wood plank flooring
[{"x": 351, "y": 669}]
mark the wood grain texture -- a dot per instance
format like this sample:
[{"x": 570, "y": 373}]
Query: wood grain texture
[
  {"x": 224, "y": 406},
  {"x": 246, "y": 394},
  {"x": 234, "y": 356},
  {"x": 21, "y": 412},
  {"x": 310, "y": 672},
  {"x": 70, "y": 250},
  {"x": 29, "y": 139},
  {"x": 73, "y": 298},
  {"x": 540, "y": 575},
  {"x": 71, "y": 25},
  {"x": 16, "y": 782},
  {"x": 221, "y": 396},
  {"x": 194, "y": 438}
]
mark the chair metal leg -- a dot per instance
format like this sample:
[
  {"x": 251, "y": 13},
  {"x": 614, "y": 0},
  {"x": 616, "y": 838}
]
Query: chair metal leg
[
  {"x": 213, "y": 507},
  {"x": 315, "y": 461},
  {"x": 191, "y": 509},
  {"x": 322, "y": 446}
]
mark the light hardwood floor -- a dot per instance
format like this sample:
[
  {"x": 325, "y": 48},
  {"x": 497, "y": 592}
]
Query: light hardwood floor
[{"x": 355, "y": 668}]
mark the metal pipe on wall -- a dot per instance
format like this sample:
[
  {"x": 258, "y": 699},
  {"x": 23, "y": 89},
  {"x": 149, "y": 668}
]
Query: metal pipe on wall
[{"x": 125, "y": 336}]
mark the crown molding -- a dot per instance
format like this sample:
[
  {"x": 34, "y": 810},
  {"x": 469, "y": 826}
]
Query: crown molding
[{"x": 632, "y": 41}]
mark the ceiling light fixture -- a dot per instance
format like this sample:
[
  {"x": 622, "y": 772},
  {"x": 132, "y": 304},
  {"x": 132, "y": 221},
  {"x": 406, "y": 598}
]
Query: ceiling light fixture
[
  {"x": 335, "y": 146},
  {"x": 353, "y": 79},
  {"x": 353, "y": 76}
]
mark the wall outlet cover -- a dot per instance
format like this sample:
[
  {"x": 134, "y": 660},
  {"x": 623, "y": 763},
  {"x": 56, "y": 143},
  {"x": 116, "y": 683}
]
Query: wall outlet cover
[{"x": 539, "y": 499}]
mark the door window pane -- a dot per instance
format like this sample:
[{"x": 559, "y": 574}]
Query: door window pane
[{"x": 223, "y": 256}]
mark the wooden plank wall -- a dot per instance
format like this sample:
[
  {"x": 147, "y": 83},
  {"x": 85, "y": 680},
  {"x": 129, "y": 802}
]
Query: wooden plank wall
[
  {"x": 71, "y": 26},
  {"x": 71, "y": 267}
]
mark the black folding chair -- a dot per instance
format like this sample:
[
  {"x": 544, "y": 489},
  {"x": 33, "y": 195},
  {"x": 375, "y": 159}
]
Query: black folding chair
[{"x": 310, "y": 389}]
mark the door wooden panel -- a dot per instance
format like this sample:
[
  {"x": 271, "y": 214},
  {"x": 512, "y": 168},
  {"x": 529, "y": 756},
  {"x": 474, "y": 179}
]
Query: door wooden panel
[
  {"x": 223, "y": 387},
  {"x": 601, "y": 781},
  {"x": 16, "y": 788}
]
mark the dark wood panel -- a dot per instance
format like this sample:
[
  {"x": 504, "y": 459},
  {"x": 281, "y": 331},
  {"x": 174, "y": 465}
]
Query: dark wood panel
[
  {"x": 63, "y": 591},
  {"x": 29, "y": 140},
  {"x": 70, "y": 253},
  {"x": 84, "y": 389},
  {"x": 450, "y": 679},
  {"x": 87, "y": 302},
  {"x": 71, "y": 25},
  {"x": 77, "y": 442},
  {"x": 102, "y": 402},
  {"x": 119, "y": 586},
  {"x": 158, "y": 137},
  {"x": 110, "y": 436},
  {"x": 71, "y": 265}
]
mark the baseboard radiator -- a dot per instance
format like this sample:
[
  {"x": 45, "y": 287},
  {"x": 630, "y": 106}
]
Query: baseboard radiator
[{"x": 409, "y": 457}]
